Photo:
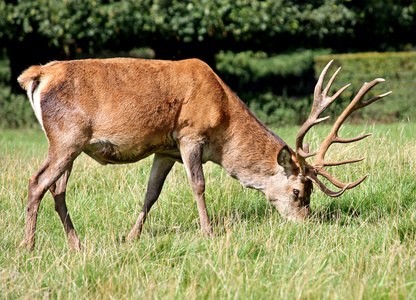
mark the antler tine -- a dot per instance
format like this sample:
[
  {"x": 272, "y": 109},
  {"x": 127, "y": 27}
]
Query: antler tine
[
  {"x": 318, "y": 86},
  {"x": 368, "y": 102},
  {"x": 321, "y": 100},
  {"x": 342, "y": 186},
  {"x": 363, "y": 91},
  {"x": 351, "y": 140},
  {"x": 324, "y": 188},
  {"x": 342, "y": 162},
  {"x": 336, "y": 182}
]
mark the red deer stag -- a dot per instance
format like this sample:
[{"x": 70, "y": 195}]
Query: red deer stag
[{"x": 122, "y": 110}]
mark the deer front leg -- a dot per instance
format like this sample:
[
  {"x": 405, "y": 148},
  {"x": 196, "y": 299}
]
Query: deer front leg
[
  {"x": 192, "y": 158},
  {"x": 58, "y": 190},
  {"x": 160, "y": 169}
]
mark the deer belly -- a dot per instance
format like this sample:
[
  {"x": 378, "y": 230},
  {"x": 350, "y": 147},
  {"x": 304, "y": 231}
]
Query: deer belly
[{"x": 106, "y": 152}]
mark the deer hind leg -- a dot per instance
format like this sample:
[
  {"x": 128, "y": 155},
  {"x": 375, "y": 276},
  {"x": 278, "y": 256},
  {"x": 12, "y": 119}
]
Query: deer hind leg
[
  {"x": 160, "y": 169},
  {"x": 192, "y": 159},
  {"x": 58, "y": 190},
  {"x": 52, "y": 169}
]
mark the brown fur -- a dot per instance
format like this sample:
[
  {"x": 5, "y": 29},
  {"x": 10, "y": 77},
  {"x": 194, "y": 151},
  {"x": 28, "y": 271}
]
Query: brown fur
[{"x": 122, "y": 110}]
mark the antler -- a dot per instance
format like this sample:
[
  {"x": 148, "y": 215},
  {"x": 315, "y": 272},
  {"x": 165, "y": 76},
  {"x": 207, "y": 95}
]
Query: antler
[{"x": 320, "y": 103}]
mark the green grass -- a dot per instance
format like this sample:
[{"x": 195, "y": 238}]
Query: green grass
[{"x": 361, "y": 245}]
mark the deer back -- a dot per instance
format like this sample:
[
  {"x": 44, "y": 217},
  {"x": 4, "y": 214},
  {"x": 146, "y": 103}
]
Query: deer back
[{"x": 141, "y": 107}]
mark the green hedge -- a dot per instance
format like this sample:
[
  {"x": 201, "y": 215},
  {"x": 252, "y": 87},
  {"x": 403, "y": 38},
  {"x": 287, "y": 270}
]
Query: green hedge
[
  {"x": 279, "y": 88},
  {"x": 15, "y": 110},
  {"x": 397, "y": 68},
  {"x": 276, "y": 88}
]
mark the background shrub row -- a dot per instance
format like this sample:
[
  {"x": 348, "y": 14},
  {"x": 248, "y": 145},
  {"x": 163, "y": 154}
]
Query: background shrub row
[{"x": 279, "y": 88}]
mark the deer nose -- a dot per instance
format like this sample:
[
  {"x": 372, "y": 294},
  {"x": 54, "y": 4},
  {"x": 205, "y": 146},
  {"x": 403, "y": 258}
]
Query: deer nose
[{"x": 303, "y": 213}]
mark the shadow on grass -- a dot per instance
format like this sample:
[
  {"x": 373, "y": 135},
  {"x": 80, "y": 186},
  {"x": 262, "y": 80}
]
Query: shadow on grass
[
  {"x": 254, "y": 213},
  {"x": 343, "y": 212}
]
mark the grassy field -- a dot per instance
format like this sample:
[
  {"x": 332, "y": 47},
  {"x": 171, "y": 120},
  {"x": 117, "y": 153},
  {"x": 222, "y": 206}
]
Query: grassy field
[{"x": 359, "y": 246}]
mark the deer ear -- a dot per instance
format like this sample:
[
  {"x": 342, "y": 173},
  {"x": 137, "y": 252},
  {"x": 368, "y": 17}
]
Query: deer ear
[{"x": 284, "y": 158}]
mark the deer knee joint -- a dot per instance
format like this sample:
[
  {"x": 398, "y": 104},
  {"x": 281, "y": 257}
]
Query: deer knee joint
[{"x": 198, "y": 186}]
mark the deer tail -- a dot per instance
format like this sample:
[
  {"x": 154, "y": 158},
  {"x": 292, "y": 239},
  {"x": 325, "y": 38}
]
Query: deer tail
[{"x": 30, "y": 75}]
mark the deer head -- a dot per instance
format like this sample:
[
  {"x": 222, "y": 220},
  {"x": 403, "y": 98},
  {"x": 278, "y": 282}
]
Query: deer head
[{"x": 293, "y": 199}]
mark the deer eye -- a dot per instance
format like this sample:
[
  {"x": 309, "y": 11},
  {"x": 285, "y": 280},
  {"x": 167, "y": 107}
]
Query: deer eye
[{"x": 296, "y": 192}]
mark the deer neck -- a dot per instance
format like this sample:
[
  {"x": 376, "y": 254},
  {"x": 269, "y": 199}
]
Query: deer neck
[{"x": 250, "y": 151}]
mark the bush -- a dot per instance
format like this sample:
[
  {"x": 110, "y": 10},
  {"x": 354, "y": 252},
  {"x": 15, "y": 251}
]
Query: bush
[
  {"x": 281, "y": 110},
  {"x": 15, "y": 110},
  {"x": 277, "y": 89}
]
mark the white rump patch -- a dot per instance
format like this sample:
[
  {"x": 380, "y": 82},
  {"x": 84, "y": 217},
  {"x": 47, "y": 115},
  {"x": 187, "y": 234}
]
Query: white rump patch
[{"x": 35, "y": 101}]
